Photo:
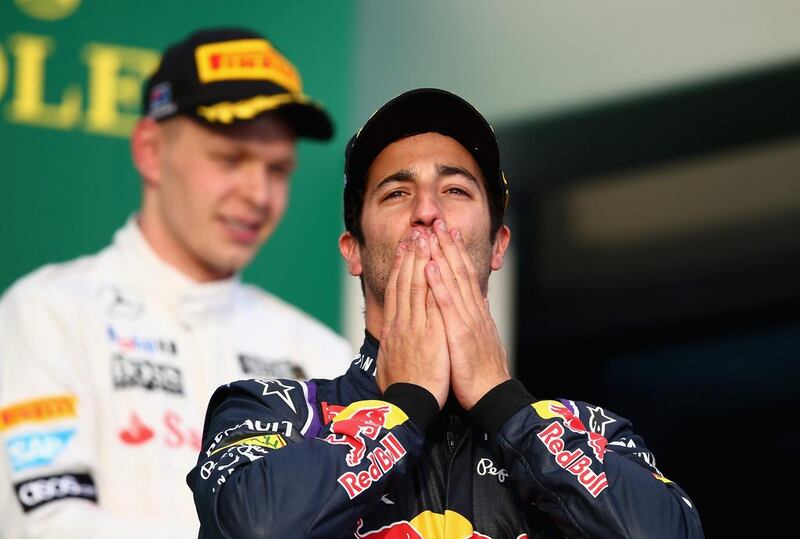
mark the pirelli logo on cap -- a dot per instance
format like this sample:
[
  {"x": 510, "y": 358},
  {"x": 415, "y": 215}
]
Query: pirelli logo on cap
[
  {"x": 245, "y": 59},
  {"x": 38, "y": 411}
]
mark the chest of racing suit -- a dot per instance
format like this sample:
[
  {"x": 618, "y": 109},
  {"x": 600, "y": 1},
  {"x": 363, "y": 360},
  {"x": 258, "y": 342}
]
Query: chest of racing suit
[{"x": 336, "y": 458}]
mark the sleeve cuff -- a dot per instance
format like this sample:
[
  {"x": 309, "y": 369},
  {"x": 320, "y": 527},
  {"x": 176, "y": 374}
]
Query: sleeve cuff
[
  {"x": 418, "y": 403},
  {"x": 499, "y": 404}
]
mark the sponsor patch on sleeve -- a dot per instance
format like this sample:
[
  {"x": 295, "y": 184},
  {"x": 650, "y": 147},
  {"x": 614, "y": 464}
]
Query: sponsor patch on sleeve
[
  {"x": 577, "y": 462},
  {"x": 38, "y": 411},
  {"x": 39, "y": 491},
  {"x": 267, "y": 441},
  {"x": 37, "y": 449},
  {"x": 352, "y": 427}
]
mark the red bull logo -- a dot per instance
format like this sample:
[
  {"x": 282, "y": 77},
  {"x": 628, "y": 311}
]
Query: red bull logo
[
  {"x": 575, "y": 462},
  {"x": 381, "y": 460},
  {"x": 329, "y": 411},
  {"x": 353, "y": 427},
  {"x": 351, "y": 432},
  {"x": 597, "y": 442},
  {"x": 428, "y": 525},
  {"x": 396, "y": 530},
  {"x": 550, "y": 409}
]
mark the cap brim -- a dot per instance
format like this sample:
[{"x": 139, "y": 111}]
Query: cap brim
[{"x": 308, "y": 120}]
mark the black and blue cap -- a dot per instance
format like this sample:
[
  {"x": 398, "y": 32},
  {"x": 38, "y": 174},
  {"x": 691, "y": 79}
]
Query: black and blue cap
[{"x": 417, "y": 111}]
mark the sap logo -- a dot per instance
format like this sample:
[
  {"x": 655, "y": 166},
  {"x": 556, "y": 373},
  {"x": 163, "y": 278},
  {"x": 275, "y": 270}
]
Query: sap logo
[
  {"x": 135, "y": 343},
  {"x": 38, "y": 449}
]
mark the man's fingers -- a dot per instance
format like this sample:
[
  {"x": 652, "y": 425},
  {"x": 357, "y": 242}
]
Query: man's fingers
[
  {"x": 404, "y": 282},
  {"x": 454, "y": 259},
  {"x": 433, "y": 317},
  {"x": 419, "y": 284},
  {"x": 444, "y": 299},
  {"x": 390, "y": 297},
  {"x": 448, "y": 277}
]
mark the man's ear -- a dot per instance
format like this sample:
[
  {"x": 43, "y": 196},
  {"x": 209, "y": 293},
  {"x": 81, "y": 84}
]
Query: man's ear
[
  {"x": 499, "y": 247},
  {"x": 351, "y": 252},
  {"x": 146, "y": 150}
]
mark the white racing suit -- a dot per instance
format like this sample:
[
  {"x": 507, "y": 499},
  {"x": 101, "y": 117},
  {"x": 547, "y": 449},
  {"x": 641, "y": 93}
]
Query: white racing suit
[{"x": 107, "y": 363}]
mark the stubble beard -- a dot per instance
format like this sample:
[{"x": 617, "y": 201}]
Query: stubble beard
[{"x": 378, "y": 259}]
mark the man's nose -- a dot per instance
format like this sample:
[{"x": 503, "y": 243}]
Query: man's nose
[
  {"x": 426, "y": 209},
  {"x": 256, "y": 186}
]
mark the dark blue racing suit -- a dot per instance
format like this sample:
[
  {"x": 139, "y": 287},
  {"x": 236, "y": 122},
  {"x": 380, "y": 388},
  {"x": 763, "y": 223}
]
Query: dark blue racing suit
[{"x": 335, "y": 458}]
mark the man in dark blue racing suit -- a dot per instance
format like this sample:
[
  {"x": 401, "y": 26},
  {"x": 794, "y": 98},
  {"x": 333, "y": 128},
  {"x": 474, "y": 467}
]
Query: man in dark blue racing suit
[{"x": 426, "y": 435}]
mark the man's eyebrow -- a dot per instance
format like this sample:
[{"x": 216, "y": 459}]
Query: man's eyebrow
[
  {"x": 450, "y": 170},
  {"x": 404, "y": 175}
]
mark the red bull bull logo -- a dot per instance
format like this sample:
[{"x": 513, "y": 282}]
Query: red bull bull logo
[
  {"x": 395, "y": 530},
  {"x": 550, "y": 409},
  {"x": 351, "y": 431},
  {"x": 597, "y": 442},
  {"x": 428, "y": 525},
  {"x": 353, "y": 427}
]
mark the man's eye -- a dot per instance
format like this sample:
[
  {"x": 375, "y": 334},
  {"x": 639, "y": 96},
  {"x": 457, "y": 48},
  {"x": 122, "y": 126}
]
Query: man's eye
[
  {"x": 393, "y": 194},
  {"x": 230, "y": 160},
  {"x": 457, "y": 191},
  {"x": 280, "y": 171}
]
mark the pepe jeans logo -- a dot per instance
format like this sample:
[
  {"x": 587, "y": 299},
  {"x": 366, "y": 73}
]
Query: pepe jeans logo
[{"x": 487, "y": 467}]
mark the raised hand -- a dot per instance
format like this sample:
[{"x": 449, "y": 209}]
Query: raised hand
[
  {"x": 413, "y": 342},
  {"x": 478, "y": 360}
]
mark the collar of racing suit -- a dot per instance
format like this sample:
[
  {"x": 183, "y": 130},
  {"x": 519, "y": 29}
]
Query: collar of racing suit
[{"x": 190, "y": 301}]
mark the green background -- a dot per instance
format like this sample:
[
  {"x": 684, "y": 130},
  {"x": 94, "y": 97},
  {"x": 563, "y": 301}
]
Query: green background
[{"x": 64, "y": 192}]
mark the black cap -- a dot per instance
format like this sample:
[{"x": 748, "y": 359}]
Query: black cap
[
  {"x": 418, "y": 111},
  {"x": 225, "y": 75}
]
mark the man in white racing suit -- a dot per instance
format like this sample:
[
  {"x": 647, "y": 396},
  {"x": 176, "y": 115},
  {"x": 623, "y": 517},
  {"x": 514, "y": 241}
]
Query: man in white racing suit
[{"x": 107, "y": 362}]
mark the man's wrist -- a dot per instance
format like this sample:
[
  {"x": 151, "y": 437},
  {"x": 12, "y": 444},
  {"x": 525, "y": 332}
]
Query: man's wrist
[
  {"x": 498, "y": 405},
  {"x": 418, "y": 403}
]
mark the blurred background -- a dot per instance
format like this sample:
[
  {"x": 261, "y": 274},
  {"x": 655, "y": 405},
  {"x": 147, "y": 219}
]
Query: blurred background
[{"x": 653, "y": 153}]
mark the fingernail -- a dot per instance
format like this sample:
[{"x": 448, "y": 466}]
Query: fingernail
[
  {"x": 440, "y": 224},
  {"x": 457, "y": 234},
  {"x": 415, "y": 234},
  {"x": 399, "y": 250},
  {"x": 421, "y": 241}
]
